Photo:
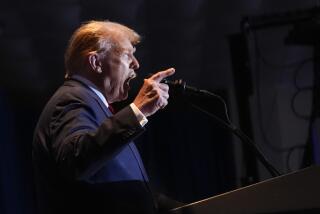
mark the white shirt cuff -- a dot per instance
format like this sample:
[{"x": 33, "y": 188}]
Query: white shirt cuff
[{"x": 140, "y": 116}]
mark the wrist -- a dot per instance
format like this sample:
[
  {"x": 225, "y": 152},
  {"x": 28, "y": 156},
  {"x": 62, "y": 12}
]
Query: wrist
[
  {"x": 140, "y": 116},
  {"x": 140, "y": 107}
]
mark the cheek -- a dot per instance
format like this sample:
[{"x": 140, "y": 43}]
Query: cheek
[
  {"x": 122, "y": 72},
  {"x": 119, "y": 69},
  {"x": 115, "y": 73},
  {"x": 118, "y": 80}
]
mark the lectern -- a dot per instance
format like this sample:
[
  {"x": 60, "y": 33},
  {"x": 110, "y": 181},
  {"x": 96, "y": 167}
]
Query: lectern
[{"x": 297, "y": 192}]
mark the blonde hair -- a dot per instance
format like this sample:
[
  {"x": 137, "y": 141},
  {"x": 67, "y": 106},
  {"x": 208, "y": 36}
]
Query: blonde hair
[{"x": 98, "y": 36}]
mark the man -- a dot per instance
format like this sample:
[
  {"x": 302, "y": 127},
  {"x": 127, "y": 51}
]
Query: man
[{"x": 83, "y": 154}]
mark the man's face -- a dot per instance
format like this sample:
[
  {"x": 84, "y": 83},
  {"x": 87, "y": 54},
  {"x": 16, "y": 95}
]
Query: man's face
[{"x": 119, "y": 67}]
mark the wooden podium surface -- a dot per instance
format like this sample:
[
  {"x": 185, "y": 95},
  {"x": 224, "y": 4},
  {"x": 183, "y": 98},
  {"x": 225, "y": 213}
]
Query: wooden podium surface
[{"x": 297, "y": 192}]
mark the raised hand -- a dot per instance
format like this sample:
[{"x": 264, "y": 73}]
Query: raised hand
[{"x": 153, "y": 95}]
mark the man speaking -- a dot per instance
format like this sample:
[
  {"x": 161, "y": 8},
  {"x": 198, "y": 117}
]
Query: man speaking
[{"x": 83, "y": 154}]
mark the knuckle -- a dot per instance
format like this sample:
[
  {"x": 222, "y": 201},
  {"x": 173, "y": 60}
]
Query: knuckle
[
  {"x": 156, "y": 91},
  {"x": 157, "y": 96},
  {"x": 165, "y": 87},
  {"x": 148, "y": 81}
]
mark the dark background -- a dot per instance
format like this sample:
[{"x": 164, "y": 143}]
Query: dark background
[{"x": 187, "y": 154}]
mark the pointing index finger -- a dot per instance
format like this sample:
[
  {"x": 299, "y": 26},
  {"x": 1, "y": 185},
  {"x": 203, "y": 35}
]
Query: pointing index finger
[{"x": 162, "y": 74}]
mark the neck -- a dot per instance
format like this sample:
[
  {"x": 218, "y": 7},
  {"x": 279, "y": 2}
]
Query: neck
[{"x": 98, "y": 82}]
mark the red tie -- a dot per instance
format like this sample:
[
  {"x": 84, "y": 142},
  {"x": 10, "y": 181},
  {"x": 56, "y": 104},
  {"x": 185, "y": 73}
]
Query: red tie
[{"x": 111, "y": 109}]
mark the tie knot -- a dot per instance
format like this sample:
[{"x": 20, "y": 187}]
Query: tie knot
[{"x": 111, "y": 109}]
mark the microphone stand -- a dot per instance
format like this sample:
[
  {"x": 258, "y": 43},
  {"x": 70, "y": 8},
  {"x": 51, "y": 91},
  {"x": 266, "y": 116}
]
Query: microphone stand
[
  {"x": 242, "y": 136},
  {"x": 182, "y": 87}
]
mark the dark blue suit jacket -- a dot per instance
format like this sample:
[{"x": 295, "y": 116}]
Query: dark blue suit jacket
[{"x": 84, "y": 158}]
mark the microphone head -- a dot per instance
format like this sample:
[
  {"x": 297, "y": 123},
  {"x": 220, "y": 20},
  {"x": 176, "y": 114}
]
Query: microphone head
[
  {"x": 181, "y": 86},
  {"x": 177, "y": 84}
]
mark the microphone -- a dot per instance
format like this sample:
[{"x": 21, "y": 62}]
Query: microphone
[{"x": 181, "y": 86}]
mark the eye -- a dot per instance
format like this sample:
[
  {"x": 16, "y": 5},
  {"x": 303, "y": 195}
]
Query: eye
[
  {"x": 125, "y": 55},
  {"x": 128, "y": 56}
]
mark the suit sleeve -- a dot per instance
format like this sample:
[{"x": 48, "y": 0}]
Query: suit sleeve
[{"x": 81, "y": 146}]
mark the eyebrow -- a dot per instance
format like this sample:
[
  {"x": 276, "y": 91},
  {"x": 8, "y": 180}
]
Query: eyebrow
[{"x": 133, "y": 50}]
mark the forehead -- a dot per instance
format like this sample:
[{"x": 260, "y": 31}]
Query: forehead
[{"x": 123, "y": 43}]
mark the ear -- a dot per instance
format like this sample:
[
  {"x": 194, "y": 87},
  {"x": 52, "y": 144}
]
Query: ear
[{"x": 94, "y": 62}]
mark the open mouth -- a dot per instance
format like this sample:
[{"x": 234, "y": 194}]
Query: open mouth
[{"x": 127, "y": 82}]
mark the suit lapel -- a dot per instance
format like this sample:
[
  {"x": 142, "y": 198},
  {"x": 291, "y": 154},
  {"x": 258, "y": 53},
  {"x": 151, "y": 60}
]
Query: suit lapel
[
  {"x": 102, "y": 105},
  {"x": 73, "y": 81}
]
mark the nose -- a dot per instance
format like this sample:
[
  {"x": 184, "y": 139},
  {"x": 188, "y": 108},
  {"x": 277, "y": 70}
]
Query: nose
[{"x": 134, "y": 64}]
